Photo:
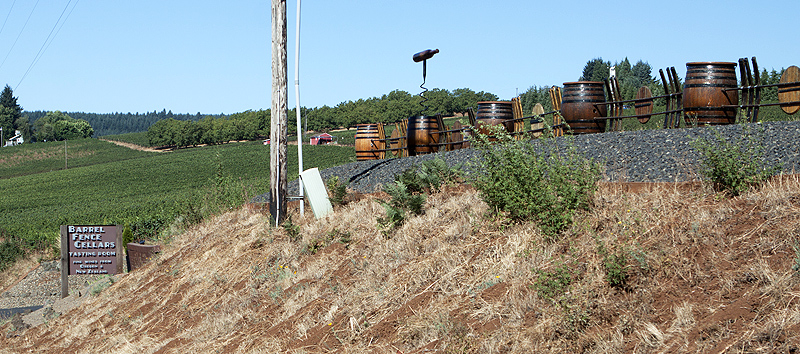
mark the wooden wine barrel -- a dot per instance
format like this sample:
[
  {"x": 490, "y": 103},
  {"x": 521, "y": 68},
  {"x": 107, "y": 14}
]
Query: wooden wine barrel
[
  {"x": 367, "y": 144},
  {"x": 704, "y": 93},
  {"x": 494, "y": 113},
  {"x": 423, "y": 135},
  {"x": 581, "y": 103}
]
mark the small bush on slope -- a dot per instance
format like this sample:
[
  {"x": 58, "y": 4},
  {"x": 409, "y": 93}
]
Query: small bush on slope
[
  {"x": 734, "y": 166},
  {"x": 545, "y": 185},
  {"x": 409, "y": 188}
]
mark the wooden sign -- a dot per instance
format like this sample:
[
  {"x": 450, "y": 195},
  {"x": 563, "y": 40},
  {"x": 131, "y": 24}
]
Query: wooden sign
[
  {"x": 90, "y": 250},
  {"x": 790, "y": 93}
]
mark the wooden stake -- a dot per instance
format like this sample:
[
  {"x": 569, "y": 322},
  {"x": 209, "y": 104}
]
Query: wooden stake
[{"x": 279, "y": 114}]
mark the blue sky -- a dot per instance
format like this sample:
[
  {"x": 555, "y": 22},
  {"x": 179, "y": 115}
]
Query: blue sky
[{"x": 214, "y": 56}]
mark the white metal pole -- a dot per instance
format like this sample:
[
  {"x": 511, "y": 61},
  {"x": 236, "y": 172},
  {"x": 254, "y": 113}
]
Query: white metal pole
[{"x": 297, "y": 109}]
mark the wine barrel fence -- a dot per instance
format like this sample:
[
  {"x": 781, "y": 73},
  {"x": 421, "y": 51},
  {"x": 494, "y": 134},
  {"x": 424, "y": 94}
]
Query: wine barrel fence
[{"x": 710, "y": 95}]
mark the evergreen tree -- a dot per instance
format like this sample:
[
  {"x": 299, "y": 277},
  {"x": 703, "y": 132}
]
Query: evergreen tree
[
  {"x": 7, "y": 99},
  {"x": 6, "y": 123},
  {"x": 595, "y": 70},
  {"x": 10, "y": 113}
]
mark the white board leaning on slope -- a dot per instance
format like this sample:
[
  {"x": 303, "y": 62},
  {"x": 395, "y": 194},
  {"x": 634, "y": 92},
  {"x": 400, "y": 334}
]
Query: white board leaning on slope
[{"x": 316, "y": 192}]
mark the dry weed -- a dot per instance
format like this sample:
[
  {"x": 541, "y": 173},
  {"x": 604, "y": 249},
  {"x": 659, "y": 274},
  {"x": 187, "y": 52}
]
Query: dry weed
[{"x": 453, "y": 281}]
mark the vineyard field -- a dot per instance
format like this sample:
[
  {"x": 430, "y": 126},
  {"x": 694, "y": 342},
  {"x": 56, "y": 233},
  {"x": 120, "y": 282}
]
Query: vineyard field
[{"x": 116, "y": 185}]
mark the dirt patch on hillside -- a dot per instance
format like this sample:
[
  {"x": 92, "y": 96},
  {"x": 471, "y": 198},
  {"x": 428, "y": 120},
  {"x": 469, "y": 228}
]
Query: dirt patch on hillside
[
  {"x": 135, "y": 146},
  {"x": 702, "y": 273}
]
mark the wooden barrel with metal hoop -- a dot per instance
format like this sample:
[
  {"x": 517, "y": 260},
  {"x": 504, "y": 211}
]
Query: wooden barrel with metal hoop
[
  {"x": 581, "y": 103},
  {"x": 494, "y": 113},
  {"x": 367, "y": 136},
  {"x": 705, "y": 94},
  {"x": 423, "y": 135}
]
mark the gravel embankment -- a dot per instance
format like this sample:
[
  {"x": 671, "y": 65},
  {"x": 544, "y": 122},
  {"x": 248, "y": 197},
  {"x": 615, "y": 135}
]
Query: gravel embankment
[
  {"x": 42, "y": 286},
  {"x": 637, "y": 156}
]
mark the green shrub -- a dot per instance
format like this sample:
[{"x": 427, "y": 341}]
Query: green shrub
[
  {"x": 402, "y": 200},
  {"x": 127, "y": 237},
  {"x": 551, "y": 284},
  {"x": 9, "y": 253},
  {"x": 292, "y": 229},
  {"x": 615, "y": 263},
  {"x": 734, "y": 166},
  {"x": 337, "y": 191},
  {"x": 545, "y": 184},
  {"x": 430, "y": 176},
  {"x": 409, "y": 188}
]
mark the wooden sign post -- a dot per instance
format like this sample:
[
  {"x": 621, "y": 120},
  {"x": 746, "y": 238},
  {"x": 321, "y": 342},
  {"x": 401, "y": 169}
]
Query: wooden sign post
[{"x": 90, "y": 250}]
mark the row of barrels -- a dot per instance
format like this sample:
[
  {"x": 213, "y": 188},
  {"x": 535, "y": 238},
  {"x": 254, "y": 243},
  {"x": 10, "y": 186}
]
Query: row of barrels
[
  {"x": 420, "y": 135},
  {"x": 709, "y": 98}
]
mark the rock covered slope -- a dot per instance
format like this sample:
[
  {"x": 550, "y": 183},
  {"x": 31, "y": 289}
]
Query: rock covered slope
[{"x": 663, "y": 155}]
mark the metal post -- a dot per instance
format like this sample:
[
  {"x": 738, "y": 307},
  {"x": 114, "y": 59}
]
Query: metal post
[{"x": 64, "y": 261}]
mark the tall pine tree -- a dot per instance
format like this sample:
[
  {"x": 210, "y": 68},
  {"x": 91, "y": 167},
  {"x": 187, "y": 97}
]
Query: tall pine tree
[{"x": 10, "y": 113}]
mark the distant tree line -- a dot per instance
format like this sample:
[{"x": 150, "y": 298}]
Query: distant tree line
[
  {"x": 121, "y": 123},
  {"x": 248, "y": 125},
  {"x": 392, "y": 107}
]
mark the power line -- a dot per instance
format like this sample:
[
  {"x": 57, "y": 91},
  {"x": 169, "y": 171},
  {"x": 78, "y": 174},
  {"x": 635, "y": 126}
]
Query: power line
[
  {"x": 7, "y": 16},
  {"x": 46, "y": 45},
  {"x": 59, "y": 28},
  {"x": 20, "y": 34}
]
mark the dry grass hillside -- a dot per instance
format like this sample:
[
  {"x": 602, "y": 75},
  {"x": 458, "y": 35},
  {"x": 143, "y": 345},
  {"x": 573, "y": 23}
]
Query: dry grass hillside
[{"x": 693, "y": 272}]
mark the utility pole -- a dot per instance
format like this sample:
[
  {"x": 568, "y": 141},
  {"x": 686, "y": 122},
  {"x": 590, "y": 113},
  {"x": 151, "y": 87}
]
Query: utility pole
[{"x": 279, "y": 115}]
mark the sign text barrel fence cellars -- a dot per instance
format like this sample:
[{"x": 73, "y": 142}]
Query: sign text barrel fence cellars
[{"x": 90, "y": 250}]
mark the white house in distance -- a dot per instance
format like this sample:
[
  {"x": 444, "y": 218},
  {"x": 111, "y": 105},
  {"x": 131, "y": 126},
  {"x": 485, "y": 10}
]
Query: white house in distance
[{"x": 14, "y": 140}]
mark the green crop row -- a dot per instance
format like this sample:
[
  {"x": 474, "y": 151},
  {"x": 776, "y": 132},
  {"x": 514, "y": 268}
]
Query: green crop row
[{"x": 28, "y": 159}]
